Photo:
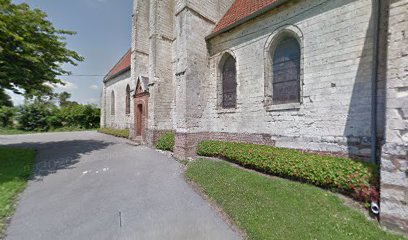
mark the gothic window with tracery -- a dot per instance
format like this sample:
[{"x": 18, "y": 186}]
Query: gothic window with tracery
[
  {"x": 229, "y": 83},
  {"x": 286, "y": 71},
  {"x": 112, "y": 103},
  {"x": 127, "y": 99}
]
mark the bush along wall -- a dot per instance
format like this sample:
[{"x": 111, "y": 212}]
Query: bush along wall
[
  {"x": 166, "y": 142},
  {"x": 124, "y": 133},
  {"x": 354, "y": 178}
]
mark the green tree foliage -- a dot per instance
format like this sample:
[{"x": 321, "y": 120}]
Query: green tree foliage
[
  {"x": 32, "y": 50},
  {"x": 63, "y": 98},
  {"x": 6, "y": 116},
  {"x": 5, "y": 99},
  {"x": 37, "y": 115},
  {"x": 80, "y": 116},
  {"x": 34, "y": 116}
]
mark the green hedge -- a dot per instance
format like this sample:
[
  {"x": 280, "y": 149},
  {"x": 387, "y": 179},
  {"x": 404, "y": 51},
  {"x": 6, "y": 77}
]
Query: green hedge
[
  {"x": 166, "y": 142},
  {"x": 124, "y": 133},
  {"x": 358, "y": 179}
]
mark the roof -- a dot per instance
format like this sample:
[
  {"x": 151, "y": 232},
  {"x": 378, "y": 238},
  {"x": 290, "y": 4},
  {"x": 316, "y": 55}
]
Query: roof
[
  {"x": 243, "y": 10},
  {"x": 122, "y": 66}
]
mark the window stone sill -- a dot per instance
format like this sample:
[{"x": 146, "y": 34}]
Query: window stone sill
[{"x": 283, "y": 107}]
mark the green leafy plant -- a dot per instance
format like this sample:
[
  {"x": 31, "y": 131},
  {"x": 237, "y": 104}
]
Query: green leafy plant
[
  {"x": 355, "y": 178},
  {"x": 166, "y": 142},
  {"x": 34, "y": 116},
  {"x": 6, "y": 116},
  {"x": 124, "y": 133}
]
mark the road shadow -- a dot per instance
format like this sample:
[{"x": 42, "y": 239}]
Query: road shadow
[{"x": 54, "y": 156}]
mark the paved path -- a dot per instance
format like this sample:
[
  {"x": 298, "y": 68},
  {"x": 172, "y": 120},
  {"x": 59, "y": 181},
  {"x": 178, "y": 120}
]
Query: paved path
[{"x": 83, "y": 180}]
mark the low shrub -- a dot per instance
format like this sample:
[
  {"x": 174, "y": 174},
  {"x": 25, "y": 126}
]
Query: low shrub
[
  {"x": 6, "y": 116},
  {"x": 124, "y": 133},
  {"x": 357, "y": 179},
  {"x": 166, "y": 142}
]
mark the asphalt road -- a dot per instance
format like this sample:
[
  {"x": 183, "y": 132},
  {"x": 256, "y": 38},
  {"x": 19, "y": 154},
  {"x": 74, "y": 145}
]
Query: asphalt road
[{"x": 93, "y": 186}]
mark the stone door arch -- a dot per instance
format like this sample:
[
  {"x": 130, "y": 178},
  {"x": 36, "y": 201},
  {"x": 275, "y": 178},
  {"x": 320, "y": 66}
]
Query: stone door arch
[{"x": 141, "y": 101}]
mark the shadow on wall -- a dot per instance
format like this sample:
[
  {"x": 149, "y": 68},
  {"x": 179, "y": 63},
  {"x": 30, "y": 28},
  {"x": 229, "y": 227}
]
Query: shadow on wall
[
  {"x": 54, "y": 156},
  {"x": 358, "y": 120},
  {"x": 358, "y": 125}
]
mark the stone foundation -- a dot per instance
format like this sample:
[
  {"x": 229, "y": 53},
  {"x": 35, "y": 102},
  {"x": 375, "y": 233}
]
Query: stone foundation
[
  {"x": 186, "y": 143},
  {"x": 394, "y": 188}
]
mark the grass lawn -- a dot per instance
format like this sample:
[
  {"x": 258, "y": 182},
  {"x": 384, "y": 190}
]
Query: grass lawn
[
  {"x": 16, "y": 166},
  {"x": 123, "y": 133},
  {"x": 12, "y": 131},
  {"x": 274, "y": 208}
]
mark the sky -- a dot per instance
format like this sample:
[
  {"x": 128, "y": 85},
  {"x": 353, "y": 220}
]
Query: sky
[{"x": 103, "y": 36}]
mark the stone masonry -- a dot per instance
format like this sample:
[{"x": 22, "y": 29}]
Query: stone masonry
[
  {"x": 394, "y": 160},
  {"x": 120, "y": 119}
]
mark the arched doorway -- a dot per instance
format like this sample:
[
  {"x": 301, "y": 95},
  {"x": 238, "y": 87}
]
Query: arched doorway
[{"x": 141, "y": 107}]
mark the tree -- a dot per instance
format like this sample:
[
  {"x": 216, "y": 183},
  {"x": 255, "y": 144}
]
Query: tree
[
  {"x": 6, "y": 116},
  {"x": 5, "y": 100},
  {"x": 34, "y": 116},
  {"x": 63, "y": 99},
  {"x": 32, "y": 50}
]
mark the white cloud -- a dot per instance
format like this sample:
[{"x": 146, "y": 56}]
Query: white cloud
[
  {"x": 94, "y": 87},
  {"x": 67, "y": 86},
  {"x": 16, "y": 98}
]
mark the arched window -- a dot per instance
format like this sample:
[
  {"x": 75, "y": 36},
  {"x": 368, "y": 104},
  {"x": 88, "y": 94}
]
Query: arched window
[
  {"x": 113, "y": 103},
  {"x": 286, "y": 71},
  {"x": 229, "y": 82},
  {"x": 127, "y": 99}
]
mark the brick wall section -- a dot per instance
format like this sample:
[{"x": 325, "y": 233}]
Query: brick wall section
[
  {"x": 394, "y": 166},
  {"x": 186, "y": 143}
]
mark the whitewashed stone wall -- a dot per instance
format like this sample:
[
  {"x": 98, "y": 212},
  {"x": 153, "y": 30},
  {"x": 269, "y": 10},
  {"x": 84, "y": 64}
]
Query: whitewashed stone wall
[
  {"x": 120, "y": 120},
  {"x": 195, "y": 19},
  {"x": 336, "y": 39},
  {"x": 161, "y": 74},
  {"x": 394, "y": 166}
]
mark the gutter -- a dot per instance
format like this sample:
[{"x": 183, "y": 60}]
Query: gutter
[
  {"x": 376, "y": 39},
  {"x": 247, "y": 18},
  {"x": 107, "y": 78}
]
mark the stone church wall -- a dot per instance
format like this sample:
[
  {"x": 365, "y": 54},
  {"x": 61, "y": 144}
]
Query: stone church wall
[
  {"x": 120, "y": 120},
  {"x": 194, "y": 21},
  {"x": 161, "y": 27},
  {"x": 334, "y": 114},
  {"x": 394, "y": 162}
]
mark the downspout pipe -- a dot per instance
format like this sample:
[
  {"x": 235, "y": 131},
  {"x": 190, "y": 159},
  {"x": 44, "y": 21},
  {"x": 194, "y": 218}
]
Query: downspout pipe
[{"x": 375, "y": 66}]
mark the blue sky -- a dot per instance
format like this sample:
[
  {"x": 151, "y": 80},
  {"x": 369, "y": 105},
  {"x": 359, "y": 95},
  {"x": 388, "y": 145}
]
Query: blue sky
[{"x": 103, "y": 35}]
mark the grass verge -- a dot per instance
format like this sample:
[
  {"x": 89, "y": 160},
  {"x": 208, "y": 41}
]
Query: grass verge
[
  {"x": 275, "y": 208},
  {"x": 13, "y": 131},
  {"x": 355, "y": 178},
  {"x": 16, "y": 166},
  {"x": 124, "y": 133}
]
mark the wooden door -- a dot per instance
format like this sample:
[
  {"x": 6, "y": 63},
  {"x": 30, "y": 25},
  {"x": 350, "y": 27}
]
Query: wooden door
[{"x": 139, "y": 121}]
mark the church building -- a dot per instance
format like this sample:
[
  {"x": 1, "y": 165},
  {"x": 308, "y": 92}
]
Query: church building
[{"x": 318, "y": 75}]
